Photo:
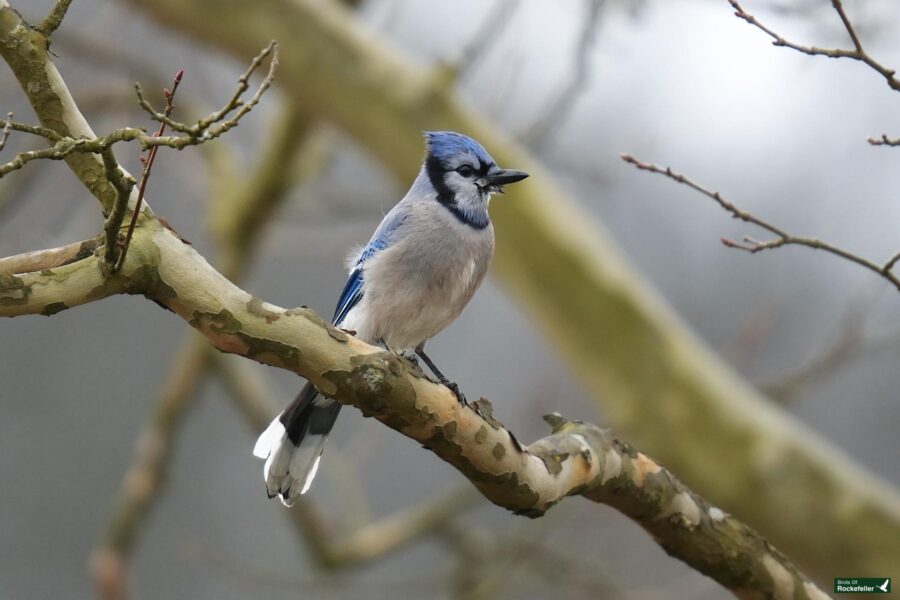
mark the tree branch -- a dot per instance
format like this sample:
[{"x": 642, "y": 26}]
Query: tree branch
[
  {"x": 55, "y": 18},
  {"x": 204, "y": 130},
  {"x": 857, "y": 53},
  {"x": 47, "y": 259},
  {"x": 123, "y": 183},
  {"x": 782, "y": 238},
  {"x": 576, "y": 459}
]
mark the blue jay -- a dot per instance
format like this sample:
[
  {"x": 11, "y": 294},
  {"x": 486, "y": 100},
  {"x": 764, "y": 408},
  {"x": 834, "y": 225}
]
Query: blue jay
[{"x": 414, "y": 277}]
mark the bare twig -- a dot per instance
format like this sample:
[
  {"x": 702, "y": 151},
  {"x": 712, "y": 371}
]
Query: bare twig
[
  {"x": 123, "y": 183},
  {"x": 148, "y": 166},
  {"x": 203, "y": 127},
  {"x": 7, "y": 127},
  {"x": 884, "y": 140},
  {"x": 857, "y": 53},
  {"x": 55, "y": 18},
  {"x": 198, "y": 133},
  {"x": 32, "y": 129},
  {"x": 782, "y": 238}
]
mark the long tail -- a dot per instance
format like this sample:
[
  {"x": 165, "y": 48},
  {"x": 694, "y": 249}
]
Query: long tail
[{"x": 293, "y": 444}]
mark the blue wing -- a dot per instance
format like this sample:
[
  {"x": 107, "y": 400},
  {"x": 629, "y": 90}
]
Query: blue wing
[{"x": 382, "y": 238}]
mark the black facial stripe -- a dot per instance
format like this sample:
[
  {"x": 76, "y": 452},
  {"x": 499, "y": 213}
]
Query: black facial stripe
[
  {"x": 479, "y": 222},
  {"x": 483, "y": 168},
  {"x": 436, "y": 171}
]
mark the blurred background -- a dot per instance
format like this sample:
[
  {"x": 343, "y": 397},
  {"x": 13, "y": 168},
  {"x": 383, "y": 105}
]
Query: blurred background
[{"x": 680, "y": 83}]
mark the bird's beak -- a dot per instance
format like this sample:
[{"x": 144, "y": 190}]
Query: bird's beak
[
  {"x": 494, "y": 182},
  {"x": 504, "y": 176}
]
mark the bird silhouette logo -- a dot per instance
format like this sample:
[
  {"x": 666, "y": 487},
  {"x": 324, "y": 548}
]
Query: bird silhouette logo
[{"x": 884, "y": 586}]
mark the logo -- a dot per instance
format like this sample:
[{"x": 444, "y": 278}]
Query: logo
[{"x": 862, "y": 585}]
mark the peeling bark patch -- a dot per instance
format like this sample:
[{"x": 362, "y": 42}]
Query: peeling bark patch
[
  {"x": 442, "y": 442},
  {"x": 485, "y": 410},
  {"x": 585, "y": 450},
  {"x": 220, "y": 322},
  {"x": 682, "y": 511},
  {"x": 13, "y": 290},
  {"x": 270, "y": 352},
  {"x": 612, "y": 466},
  {"x": 53, "y": 308},
  {"x": 716, "y": 514},
  {"x": 554, "y": 462},
  {"x": 643, "y": 466},
  {"x": 499, "y": 451},
  {"x": 556, "y": 421},
  {"x": 782, "y": 580},
  {"x": 337, "y": 334},
  {"x": 481, "y": 434},
  {"x": 85, "y": 250},
  {"x": 258, "y": 308},
  {"x": 376, "y": 389}
]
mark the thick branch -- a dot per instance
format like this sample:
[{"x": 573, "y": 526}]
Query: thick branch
[{"x": 576, "y": 459}]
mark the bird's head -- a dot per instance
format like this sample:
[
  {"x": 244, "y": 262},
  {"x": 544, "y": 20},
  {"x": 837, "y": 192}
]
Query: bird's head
[{"x": 462, "y": 172}]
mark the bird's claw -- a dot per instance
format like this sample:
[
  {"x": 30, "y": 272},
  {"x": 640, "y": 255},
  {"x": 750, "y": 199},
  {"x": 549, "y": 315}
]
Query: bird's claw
[
  {"x": 457, "y": 392},
  {"x": 411, "y": 357}
]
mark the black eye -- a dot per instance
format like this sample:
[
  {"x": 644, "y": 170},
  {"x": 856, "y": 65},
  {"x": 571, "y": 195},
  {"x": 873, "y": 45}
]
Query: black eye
[{"x": 465, "y": 170}]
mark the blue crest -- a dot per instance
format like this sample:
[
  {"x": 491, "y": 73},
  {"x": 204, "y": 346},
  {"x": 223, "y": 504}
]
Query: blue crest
[{"x": 445, "y": 145}]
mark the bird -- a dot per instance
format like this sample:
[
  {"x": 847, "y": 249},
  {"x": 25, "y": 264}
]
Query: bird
[{"x": 419, "y": 270}]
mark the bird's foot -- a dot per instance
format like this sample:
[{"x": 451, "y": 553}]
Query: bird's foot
[
  {"x": 456, "y": 392},
  {"x": 410, "y": 356},
  {"x": 348, "y": 331}
]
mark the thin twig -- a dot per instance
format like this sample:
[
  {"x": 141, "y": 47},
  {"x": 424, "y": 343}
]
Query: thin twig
[
  {"x": 857, "y": 53},
  {"x": 782, "y": 238},
  {"x": 198, "y": 133},
  {"x": 148, "y": 166},
  {"x": 37, "y": 130},
  {"x": 123, "y": 185},
  {"x": 884, "y": 140},
  {"x": 55, "y": 18},
  {"x": 200, "y": 128},
  {"x": 7, "y": 127}
]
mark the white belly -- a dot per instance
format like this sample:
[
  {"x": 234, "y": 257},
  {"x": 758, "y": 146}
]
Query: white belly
[{"x": 412, "y": 293}]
